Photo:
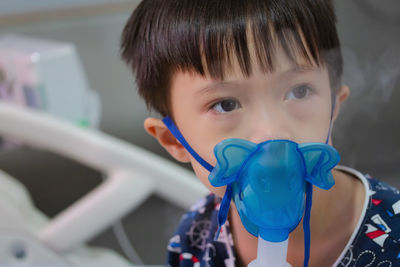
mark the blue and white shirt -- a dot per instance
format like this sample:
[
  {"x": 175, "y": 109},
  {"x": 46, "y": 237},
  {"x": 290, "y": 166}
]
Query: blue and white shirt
[{"x": 374, "y": 242}]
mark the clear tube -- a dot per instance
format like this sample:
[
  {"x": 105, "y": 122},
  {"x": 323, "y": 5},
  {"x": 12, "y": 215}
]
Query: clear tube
[{"x": 125, "y": 244}]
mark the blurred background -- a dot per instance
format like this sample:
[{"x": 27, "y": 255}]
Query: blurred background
[{"x": 366, "y": 132}]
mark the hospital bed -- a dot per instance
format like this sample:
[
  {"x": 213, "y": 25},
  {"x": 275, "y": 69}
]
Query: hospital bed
[{"x": 132, "y": 174}]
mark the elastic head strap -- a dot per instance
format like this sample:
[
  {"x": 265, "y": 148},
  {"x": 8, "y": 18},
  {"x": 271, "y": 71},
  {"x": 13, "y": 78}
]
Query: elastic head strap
[
  {"x": 332, "y": 111},
  {"x": 178, "y": 135},
  {"x": 225, "y": 203},
  {"x": 309, "y": 191}
]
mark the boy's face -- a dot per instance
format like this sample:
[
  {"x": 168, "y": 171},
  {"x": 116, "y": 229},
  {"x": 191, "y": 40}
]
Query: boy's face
[{"x": 289, "y": 103}]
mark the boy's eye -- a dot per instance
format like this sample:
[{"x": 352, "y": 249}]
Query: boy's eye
[
  {"x": 226, "y": 105},
  {"x": 299, "y": 92}
]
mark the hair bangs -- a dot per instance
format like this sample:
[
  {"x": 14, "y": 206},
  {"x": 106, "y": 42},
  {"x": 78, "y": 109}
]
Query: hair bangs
[{"x": 248, "y": 34}]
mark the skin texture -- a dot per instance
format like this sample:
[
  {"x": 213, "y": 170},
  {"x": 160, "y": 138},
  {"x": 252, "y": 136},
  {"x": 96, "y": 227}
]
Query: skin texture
[{"x": 290, "y": 103}]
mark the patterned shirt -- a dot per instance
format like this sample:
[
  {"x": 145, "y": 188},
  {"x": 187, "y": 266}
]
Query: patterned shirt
[{"x": 374, "y": 242}]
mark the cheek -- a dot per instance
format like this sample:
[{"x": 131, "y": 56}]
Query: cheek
[
  {"x": 202, "y": 174},
  {"x": 312, "y": 125},
  {"x": 316, "y": 128}
]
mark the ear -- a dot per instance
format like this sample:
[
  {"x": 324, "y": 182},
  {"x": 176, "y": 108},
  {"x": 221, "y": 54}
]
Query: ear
[
  {"x": 341, "y": 96},
  {"x": 156, "y": 128}
]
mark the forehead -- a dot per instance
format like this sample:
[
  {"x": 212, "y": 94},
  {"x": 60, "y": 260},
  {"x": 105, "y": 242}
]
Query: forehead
[{"x": 279, "y": 60}]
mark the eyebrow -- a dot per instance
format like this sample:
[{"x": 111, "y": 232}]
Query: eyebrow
[
  {"x": 299, "y": 68},
  {"x": 215, "y": 85}
]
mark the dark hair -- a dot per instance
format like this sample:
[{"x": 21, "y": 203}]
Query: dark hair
[{"x": 164, "y": 36}]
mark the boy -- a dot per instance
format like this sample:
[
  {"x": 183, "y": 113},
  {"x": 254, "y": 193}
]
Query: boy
[{"x": 256, "y": 70}]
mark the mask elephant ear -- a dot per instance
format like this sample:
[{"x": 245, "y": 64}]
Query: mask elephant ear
[
  {"x": 319, "y": 160},
  {"x": 230, "y": 154}
]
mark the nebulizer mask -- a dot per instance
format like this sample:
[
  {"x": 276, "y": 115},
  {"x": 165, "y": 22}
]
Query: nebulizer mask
[{"x": 271, "y": 185}]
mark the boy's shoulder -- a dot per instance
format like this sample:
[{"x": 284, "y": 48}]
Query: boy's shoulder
[
  {"x": 382, "y": 189},
  {"x": 193, "y": 243},
  {"x": 383, "y": 210},
  {"x": 376, "y": 241}
]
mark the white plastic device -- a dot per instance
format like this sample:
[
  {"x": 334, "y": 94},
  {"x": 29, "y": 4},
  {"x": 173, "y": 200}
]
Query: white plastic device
[
  {"x": 47, "y": 75},
  {"x": 270, "y": 254},
  {"x": 132, "y": 175}
]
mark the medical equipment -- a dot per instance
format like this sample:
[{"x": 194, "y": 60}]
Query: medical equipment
[
  {"x": 47, "y": 75},
  {"x": 133, "y": 174},
  {"x": 267, "y": 182}
]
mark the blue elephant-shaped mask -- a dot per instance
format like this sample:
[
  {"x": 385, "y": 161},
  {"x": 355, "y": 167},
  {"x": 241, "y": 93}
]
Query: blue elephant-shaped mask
[{"x": 267, "y": 181}]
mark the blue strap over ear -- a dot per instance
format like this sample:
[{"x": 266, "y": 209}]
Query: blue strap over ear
[
  {"x": 225, "y": 203},
  {"x": 175, "y": 131}
]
